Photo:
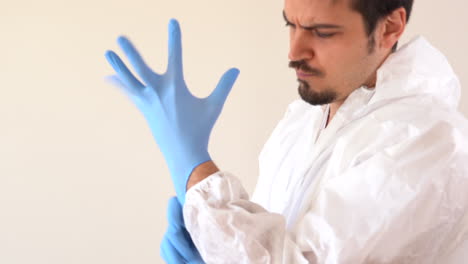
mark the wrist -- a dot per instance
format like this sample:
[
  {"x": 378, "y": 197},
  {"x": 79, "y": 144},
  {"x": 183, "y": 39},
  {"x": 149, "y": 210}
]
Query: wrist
[{"x": 201, "y": 172}]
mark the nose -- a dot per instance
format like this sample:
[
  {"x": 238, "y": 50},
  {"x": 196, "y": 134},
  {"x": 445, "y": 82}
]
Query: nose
[{"x": 300, "y": 47}]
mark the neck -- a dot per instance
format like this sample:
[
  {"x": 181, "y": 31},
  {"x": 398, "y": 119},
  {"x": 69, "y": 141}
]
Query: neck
[
  {"x": 333, "y": 109},
  {"x": 370, "y": 83}
]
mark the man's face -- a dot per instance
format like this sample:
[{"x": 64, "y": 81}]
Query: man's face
[{"x": 330, "y": 49}]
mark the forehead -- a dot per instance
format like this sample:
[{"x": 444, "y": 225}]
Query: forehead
[{"x": 312, "y": 10}]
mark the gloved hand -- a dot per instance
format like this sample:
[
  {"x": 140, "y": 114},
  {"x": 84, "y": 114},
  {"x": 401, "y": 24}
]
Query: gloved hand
[
  {"x": 180, "y": 122},
  {"x": 177, "y": 246}
]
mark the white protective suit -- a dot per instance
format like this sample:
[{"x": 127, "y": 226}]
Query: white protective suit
[{"x": 385, "y": 182}]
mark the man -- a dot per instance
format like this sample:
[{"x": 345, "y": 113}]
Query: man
[{"x": 369, "y": 167}]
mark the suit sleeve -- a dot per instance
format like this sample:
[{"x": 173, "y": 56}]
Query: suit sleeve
[{"x": 404, "y": 204}]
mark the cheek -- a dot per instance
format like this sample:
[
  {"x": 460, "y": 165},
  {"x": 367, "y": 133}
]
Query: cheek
[
  {"x": 333, "y": 59},
  {"x": 342, "y": 65}
]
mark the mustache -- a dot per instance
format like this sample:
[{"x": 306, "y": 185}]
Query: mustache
[{"x": 303, "y": 66}]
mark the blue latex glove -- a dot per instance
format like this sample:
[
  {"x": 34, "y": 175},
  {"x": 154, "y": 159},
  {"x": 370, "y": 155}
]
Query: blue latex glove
[
  {"x": 177, "y": 246},
  {"x": 180, "y": 122}
]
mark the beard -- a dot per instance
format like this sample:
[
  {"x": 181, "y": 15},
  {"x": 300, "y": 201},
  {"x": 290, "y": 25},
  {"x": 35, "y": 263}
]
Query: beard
[
  {"x": 315, "y": 98},
  {"x": 306, "y": 92}
]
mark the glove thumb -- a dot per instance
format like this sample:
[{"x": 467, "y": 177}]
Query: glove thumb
[{"x": 219, "y": 95}]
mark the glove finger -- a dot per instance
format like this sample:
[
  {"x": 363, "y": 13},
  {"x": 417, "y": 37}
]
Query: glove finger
[
  {"x": 132, "y": 94},
  {"x": 184, "y": 244},
  {"x": 163, "y": 254},
  {"x": 122, "y": 71},
  {"x": 174, "y": 215},
  {"x": 177, "y": 233},
  {"x": 169, "y": 253},
  {"x": 219, "y": 95},
  {"x": 174, "y": 67},
  {"x": 137, "y": 62},
  {"x": 114, "y": 80}
]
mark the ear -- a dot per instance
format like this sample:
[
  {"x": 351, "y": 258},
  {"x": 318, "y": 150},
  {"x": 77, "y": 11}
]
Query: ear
[{"x": 392, "y": 27}]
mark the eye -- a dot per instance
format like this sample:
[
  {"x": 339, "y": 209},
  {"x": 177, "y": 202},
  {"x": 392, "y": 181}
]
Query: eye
[
  {"x": 288, "y": 24},
  {"x": 324, "y": 35}
]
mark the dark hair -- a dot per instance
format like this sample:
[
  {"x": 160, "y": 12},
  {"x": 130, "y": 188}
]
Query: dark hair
[{"x": 374, "y": 10}]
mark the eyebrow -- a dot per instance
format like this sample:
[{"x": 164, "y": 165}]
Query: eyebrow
[{"x": 315, "y": 26}]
